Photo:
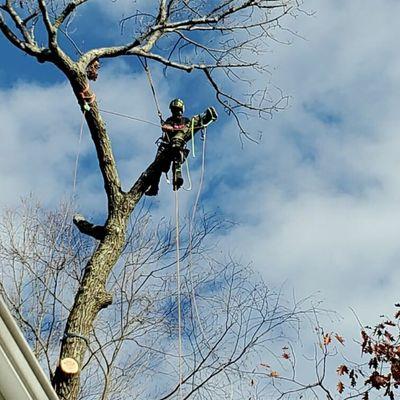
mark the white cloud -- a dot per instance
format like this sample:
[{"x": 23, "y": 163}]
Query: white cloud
[{"x": 319, "y": 198}]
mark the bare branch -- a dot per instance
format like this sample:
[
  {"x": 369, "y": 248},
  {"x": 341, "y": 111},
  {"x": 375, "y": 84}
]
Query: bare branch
[{"x": 68, "y": 10}]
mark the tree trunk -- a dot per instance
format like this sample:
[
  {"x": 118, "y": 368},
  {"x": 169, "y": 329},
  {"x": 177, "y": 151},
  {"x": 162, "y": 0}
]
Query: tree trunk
[{"x": 91, "y": 297}]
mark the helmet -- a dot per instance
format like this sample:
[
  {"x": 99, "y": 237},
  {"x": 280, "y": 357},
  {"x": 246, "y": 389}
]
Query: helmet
[{"x": 177, "y": 103}]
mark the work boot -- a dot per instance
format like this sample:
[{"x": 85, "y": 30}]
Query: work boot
[{"x": 177, "y": 176}]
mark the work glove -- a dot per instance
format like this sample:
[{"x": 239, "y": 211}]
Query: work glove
[{"x": 209, "y": 116}]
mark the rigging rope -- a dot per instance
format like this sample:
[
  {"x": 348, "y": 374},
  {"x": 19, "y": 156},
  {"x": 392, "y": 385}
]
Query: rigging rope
[
  {"x": 178, "y": 283},
  {"x": 190, "y": 248},
  {"x": 78, "y": 154},
  {"x": 191, "y": 223},
  {"x": 178, "y": 265},
  {"x": 70, "y": 202},
  {"x": 192, "y": 134},
  {"x": 129, "y": 117},
  {"x": 189, "y": 188}
]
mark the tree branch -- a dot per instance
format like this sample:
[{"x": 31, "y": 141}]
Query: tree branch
[
  {"x": 28, "y": 48},
  {"x": 67, "y": 11},
  {"x": 51, "y": 31},
  {"x": 19, "y": 23}
]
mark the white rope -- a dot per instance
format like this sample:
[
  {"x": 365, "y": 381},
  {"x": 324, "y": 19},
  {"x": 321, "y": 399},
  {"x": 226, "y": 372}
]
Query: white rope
[
  {"x": 189, "y": 188},
  {"x": 192, "y": 134},
  {"x": 178, "y": 283},
  {"x": 191, "y": 223},
  {"x": 78, "y": 154},
  {"x": 69, "y": 203}
]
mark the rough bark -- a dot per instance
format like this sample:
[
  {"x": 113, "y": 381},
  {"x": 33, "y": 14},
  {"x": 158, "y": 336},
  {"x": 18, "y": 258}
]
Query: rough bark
[{"x": 90, "y": 299}]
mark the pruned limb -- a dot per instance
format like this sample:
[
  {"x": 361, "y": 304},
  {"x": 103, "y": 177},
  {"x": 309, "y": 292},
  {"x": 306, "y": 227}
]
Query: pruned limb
[{"x": 86, "y": 227}]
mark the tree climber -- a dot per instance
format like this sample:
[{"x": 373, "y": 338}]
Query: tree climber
[{"x": 177, "y": 131}]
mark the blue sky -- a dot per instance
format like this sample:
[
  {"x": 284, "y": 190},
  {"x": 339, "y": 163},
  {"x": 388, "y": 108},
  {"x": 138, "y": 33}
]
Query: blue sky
[{"x": 317, "y": 201}]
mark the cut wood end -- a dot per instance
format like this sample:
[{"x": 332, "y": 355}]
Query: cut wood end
[{"x": 69, "y": 366}]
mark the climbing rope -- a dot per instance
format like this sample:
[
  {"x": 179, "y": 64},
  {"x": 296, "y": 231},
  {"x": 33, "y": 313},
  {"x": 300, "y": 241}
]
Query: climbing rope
[
  {"x": 178, "y": 283},
  {"x": 178, "y": 266},
  {"x": 152, "y": 87}
]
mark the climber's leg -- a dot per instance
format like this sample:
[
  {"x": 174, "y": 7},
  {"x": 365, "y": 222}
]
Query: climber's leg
[
  {"x": 177, "y": 175},
  {"x": 152, "y": 190}
]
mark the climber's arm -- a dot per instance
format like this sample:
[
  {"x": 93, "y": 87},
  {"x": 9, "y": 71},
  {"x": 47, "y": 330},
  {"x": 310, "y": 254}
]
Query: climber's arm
[{"x": 202, "y": 120}]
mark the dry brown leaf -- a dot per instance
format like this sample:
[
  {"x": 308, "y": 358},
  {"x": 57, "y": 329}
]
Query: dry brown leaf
[
  {"x": 327, "y": 339},
  {"x": 339, "y": 338},
  {"x": 342, "y": 369}
]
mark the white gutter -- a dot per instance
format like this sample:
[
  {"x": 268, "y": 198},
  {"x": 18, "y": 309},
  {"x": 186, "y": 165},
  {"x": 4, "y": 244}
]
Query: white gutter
[{"x": 21, "y": 377}]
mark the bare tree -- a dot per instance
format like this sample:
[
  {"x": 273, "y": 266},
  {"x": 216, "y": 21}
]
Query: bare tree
[
  {"x": 217, "y": 38},
  {"x": 367, "y": 367},
  {"x": 229, "y": 314}
]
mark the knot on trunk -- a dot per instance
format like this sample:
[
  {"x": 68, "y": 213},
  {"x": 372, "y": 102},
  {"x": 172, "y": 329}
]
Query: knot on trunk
[{"x": 104, "y": 299}]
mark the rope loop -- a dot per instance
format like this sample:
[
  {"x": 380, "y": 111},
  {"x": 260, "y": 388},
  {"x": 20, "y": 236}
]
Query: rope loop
[{"x": 87, "y": 98}]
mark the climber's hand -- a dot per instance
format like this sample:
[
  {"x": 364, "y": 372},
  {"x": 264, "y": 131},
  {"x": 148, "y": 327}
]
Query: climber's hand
[
  {"x": 213, "y": 113},
  {"x": 167, "y": 128},
  {"x": 209, "y": 116}
]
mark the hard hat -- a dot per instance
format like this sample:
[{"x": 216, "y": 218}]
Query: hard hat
[{"x": 177, "y": 103}]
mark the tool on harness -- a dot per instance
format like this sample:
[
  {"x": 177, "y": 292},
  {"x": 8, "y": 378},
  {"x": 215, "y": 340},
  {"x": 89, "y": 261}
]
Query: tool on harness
[{"x": 172, "y": 151}]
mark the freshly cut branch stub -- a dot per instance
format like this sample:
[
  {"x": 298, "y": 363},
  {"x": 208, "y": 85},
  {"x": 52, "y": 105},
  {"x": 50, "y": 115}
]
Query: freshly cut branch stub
[{"x": 69, "y": 366}]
